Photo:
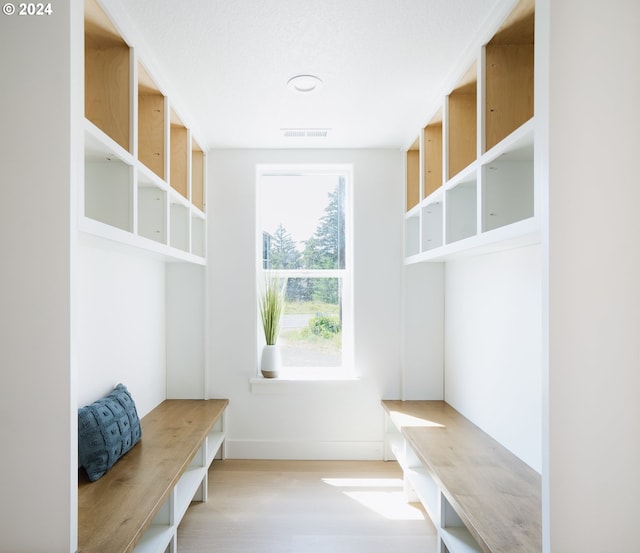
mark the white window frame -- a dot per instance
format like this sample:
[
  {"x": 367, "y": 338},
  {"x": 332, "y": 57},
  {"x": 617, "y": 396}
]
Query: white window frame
[{"x": 345, "y": 371}]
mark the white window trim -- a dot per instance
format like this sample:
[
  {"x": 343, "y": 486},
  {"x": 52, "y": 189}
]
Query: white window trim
[{"x": 291, "y": 375}]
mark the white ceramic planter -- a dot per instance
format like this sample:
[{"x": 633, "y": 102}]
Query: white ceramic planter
[{"x": 271, "y": 361}]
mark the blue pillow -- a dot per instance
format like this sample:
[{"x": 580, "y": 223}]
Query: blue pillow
[{"x": 107, "y": 429}]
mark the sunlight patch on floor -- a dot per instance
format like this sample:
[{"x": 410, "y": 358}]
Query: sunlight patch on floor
[
  {"x": 364, "y": 482},
  {"x": 378, "y": 496},
  {"x": 391, "y": 505}
]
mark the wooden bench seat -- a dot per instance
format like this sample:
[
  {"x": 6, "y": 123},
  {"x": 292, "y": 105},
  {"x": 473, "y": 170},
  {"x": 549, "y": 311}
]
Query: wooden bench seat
[
  {"x": 133, "y": 501},
  {"x": 492, "y": 493}
]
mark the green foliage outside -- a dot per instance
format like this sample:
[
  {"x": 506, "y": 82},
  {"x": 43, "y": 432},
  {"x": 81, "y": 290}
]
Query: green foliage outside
[
  {"x": 323, "y": 326},
  {"x": 320, "y": 297}
]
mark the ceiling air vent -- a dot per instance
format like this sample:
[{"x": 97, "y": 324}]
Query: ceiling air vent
[{"x": 305, "y": 133}]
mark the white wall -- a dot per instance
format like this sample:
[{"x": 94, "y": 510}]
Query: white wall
[
  {"x": 121, "y": 325},
  {"x": 39, "y": 175},
  {"x": 493, "y": 346},
  {"x": 591, "y": 492},
  {"x": 185, "y": 324},
  {"x": 423, "y": 331},
  {"x": 311, "y": 420}
]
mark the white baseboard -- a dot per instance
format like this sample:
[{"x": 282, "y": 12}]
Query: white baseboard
[{"x": 325, "y": 451}]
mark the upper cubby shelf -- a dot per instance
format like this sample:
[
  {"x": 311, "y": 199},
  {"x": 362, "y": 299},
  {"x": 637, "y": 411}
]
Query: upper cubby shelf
[
  {"x": 469, "y": 175},
  {"x": 144, "y": 180},
  {"x": 509, "y": 64},
  {"x": 462, "y": 123},
  {"x": 107, "y": 76}
]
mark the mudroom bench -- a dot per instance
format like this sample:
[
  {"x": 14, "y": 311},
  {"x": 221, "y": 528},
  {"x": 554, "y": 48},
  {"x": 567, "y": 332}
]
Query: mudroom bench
[
  {"x": 138, "y": 504},
  {"x": 480, "y": 497}
]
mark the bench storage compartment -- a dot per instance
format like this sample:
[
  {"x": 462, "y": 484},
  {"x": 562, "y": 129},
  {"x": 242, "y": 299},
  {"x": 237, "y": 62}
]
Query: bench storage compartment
[{"x": 138, "y": 504}]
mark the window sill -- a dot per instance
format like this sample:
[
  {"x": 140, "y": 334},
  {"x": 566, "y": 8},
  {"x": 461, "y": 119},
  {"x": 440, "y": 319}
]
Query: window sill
[{"x": 301, "y": 380}]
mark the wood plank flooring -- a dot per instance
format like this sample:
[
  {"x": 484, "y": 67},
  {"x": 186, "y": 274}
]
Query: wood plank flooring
[{"x": 306, "y": 507}]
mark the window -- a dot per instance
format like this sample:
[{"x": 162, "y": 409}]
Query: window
[{"x": 304, "y": 237}]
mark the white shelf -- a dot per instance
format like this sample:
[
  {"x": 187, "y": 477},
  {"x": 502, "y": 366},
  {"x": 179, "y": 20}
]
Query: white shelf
[
  {"x": 98, "y": 234},
  {"x": 162, "y": 224},
  {"x": 459, "y": 540},
  {"x": 155, "y": 539},
  {"x": 127, "y": 148},
  {"x": 187, "y": 487},
  {"x": 214, "y": 442},
  {"x": 426, "y": 489},
  {"x": 492, "y": 104}
]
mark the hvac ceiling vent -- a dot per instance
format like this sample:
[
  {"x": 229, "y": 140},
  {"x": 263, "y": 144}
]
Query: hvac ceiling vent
[{"x": 305, "y": 133}]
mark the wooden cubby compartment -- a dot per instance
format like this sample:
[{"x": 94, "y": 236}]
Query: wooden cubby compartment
[
  {"x": 462, "y": 123},
  {"x": 151, "y": 124},
  {"x": 197, "y": 176},
  {"x": 107, "y": 69},
  {"x": 413, "y": 175},
  {"x": 433, "y": 155},
  {"x": 509, "y": 72},
  {"x": 179, "y": 156}
]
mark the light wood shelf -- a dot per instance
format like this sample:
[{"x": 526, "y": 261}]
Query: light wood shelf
[
  {"x": 197, "y": 176},
  {"x": 509, "y": 64},
  {"x": 151, "y": 124},
  {"x": 145, "y": 176},
  {"x": 462, "y": 103},
  {"x": 107, "y": 76},
  {"x": 413, "y": 175},
  {"x": 433, "y": 155},
  {"x": 179, "y": 162},
  {"x": 480, "y": 497},
  {"x": 476, "y": 192}
]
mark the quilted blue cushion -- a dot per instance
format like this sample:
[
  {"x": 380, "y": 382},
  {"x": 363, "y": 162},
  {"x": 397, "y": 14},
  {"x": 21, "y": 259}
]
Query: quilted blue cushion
[{"x": 107, "y": 429}]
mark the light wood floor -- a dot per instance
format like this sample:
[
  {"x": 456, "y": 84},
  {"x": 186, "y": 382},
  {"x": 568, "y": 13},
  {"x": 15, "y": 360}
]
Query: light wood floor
[{"x": 305, "y": 507}]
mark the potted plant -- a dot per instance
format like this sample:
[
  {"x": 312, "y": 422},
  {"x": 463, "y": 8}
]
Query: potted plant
[{"x": 271, "y": 308}]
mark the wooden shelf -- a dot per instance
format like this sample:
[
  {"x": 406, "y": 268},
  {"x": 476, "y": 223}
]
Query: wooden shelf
[
  {"x": 509, "y": 64},
  {"x": 413, "y": 175},
  {"x": 488, "y": 500},
  {"x": 197, "y": 176},
  {"x": 151, "y": 124},
  {"x": 144, "y": 181},
  {"x": 477, "y": 186},
  {"x": 462, "y": 121},
  {"x": 107, "y": 76},
  {"x": 433, "y": 155},
  {"x": 179, "y": 162}
]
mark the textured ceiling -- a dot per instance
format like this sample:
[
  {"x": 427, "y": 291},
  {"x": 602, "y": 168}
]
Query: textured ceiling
[{"x": 382, "y": 63}]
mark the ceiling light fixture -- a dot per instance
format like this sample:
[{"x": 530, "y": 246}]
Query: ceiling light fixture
[{"x": 304, "y": 83}]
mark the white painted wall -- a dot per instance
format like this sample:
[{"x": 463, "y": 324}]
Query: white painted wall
[
  {"x": 185, "y": 324},
  {"x": 121, "y": 326},
  {"x": 493, "y": 346},
  {"x": 592, "y": 278},
  {"x": 309, "y": 421},
  {"x": 423, "y": 331},
  {"x": 39, "y": 175}
]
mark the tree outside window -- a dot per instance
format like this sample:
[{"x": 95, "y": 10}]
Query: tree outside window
[{"x": 303, "y": 220}]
